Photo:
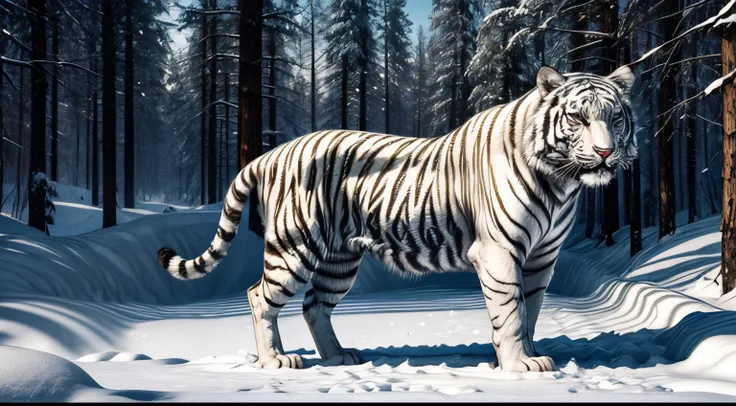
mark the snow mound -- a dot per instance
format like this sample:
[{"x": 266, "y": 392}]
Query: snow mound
[
  {"x": 114, "y": 356},
  {"x": 28, "y": 375}
]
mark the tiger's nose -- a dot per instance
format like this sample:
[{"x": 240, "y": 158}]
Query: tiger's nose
[{"x": 603, "y": 152}]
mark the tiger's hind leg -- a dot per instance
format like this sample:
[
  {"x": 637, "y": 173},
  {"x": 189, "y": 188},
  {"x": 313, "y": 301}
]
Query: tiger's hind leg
[
  {"x": 283, "y": 277},
  {"x": 328, "y": 287}
]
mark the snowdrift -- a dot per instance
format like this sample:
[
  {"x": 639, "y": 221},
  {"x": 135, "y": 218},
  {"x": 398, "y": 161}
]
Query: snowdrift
[{"x": 632, "y": 328}]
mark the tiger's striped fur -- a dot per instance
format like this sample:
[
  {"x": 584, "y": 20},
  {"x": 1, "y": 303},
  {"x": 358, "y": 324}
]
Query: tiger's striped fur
[{"x": 497, "y": 194}]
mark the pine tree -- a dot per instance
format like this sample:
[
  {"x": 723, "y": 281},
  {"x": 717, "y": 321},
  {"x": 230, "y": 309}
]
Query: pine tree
[
  {"x": 396, "y": 28},
  {"x": 420, "y": 88},
  {"x": 350, "y": 49},
  {"x": 452, "y": 46}
]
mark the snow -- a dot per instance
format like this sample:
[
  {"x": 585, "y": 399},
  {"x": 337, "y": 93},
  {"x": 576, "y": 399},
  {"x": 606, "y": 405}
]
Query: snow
[
  {"x": 92, "y": 317},
  {"x": 718, "y": 83}
]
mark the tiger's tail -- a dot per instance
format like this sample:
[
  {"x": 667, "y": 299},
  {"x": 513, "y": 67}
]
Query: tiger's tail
[{"x": 232, "y": 211}]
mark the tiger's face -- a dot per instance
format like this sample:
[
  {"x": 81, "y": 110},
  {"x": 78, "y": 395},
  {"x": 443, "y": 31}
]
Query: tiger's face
[{"x": 584, "y": 127}]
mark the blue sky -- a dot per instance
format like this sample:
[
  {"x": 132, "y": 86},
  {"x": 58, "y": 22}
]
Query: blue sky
[{"x": 418, "y": 11}]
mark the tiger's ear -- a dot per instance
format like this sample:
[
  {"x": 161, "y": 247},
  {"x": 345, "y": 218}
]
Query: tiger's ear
[
  {"x": 623, "y": 78},
  {"x": 548, "y": 79}
]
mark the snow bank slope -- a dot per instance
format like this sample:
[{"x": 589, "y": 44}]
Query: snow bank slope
[{"x": 120, "y": 265}]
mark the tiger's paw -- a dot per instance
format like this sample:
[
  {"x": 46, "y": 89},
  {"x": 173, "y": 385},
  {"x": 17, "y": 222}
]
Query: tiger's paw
[
  {"x": 283, "y": 361},
  {"x": 530, "y": 364},
  {"x": 349, "y": 356}
]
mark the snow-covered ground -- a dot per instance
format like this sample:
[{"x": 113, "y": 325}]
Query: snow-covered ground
[{"x": 91, "y": 316}]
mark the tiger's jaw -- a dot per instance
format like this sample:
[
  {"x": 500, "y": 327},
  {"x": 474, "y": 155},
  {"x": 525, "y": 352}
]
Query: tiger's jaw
[{"x": 601, "y": 176}]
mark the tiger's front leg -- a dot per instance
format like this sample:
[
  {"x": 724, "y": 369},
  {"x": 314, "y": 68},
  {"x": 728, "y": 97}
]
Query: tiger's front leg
[{"x": 501, "y": 282}]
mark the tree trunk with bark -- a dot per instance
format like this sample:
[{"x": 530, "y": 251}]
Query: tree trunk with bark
[
  {"x": 690, "y": 123},
  {"x": 55, "y": 95},
  {"x": 272, "y": 138},
  {"x": 363, "y": 66},
  {"x": 129, "y": 155},
  {"x": 667, "y": 99},
  {"x": 250, "y": 125},
  {"x": 202, "y": 113},
  {"x": 610, "y": 53},
  {"x": 313, "y": 72},
  {"x": 728, "y": 222},
  {"x": 344, "y": 94},
  {"x": 109, "y": 61},
  {"x": 385, "y": 66},
  {"x": 212, "y": 140},
  {"x": 227, "y": 126},
  {"x": 21, "y": 111},
  {"x": 95, "y": 138},
  {"x": 36, "y": 195},
  {"x": 2, "y": 123}
]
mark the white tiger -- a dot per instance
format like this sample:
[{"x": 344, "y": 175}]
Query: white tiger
[{"x": 497, "y": 194}]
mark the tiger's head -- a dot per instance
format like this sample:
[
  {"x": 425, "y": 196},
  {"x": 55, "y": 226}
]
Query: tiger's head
[{"x": 583, "y": 128}]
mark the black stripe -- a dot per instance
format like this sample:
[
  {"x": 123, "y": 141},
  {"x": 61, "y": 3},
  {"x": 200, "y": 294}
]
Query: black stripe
[
  {"x": 198, "y": 265},
  {"x": 272, "y": 303},
  {"x": 283, "y": 289},
  {"x": 216, "y": 255},
  {"x": 240, "y": 197},
  {"x": 225, "y": 235},
  {"x": 534, "y": 291},
  {"x": 183, "y": 269},
  {"x": 502, "y": 282}
]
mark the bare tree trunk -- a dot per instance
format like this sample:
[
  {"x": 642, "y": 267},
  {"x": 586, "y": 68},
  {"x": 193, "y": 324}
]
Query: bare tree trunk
[
  {"x": 55, "y": 95},
  {"x": 203, "y": 115},
  {"x": 420, "y": 80},
  {"x": 667, "y": 99},
  {"x": 212, "y": 140},
  {"x": 221, "y": 159},
  {"x": 89, "y": 127},
  {"x": 385, "y": 66},
  {"x": 36, "y": 195},
  {"x": 610, "y": 192},
  {"x": 363, "y": 66},
  {"x": 250, "y": 124},
  {"x": 21, "y": 121},
  {"x": 2, "y": 123},
  {"x": 129, "y": 154},
  {"x": 728, "y": 223},
  {"x": 344, "y": 93},
  {"x": 313, "y": 72},
  {"x": 227, "y": 127},
  {"x": 691, "y": 139},
  {"x": 78, "y": 126},
  {"x": 95, "y": 139},
  {"x": 109, "y": 61},
  {"x": 272, "y": 139},
  {"x": 633, "y": 181}
]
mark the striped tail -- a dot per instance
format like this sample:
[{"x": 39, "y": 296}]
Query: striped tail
[{"x": 232, "y": 210}]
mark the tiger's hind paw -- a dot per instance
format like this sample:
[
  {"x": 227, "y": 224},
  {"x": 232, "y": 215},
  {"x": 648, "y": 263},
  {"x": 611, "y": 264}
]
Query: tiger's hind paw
[{"x": 283, "y": 361}]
